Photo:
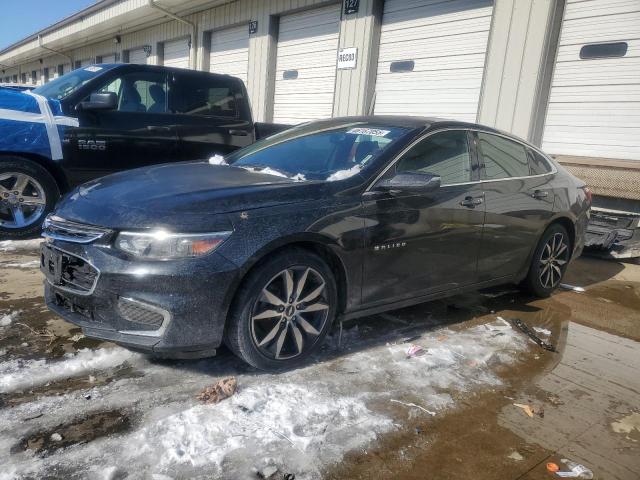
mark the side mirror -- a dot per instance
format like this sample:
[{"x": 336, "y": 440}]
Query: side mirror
[
  {"x": 100, "y": 101},
  {"x": 410, "y": 182}
]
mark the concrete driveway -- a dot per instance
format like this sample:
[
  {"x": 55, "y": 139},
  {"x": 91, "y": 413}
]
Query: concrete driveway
[{"x": 72, "y": 408}]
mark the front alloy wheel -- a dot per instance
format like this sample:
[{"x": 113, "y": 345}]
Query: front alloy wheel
[
  {"x": 283, "y": 310},
  {"x": 290, "y": 313}
]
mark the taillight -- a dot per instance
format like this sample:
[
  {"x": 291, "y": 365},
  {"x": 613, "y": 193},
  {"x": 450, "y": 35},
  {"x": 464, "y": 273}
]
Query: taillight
[{"x": 587, "y": 192}]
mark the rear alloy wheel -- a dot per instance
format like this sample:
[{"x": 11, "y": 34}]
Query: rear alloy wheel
[
  {"x": 283, "y": 311},
  {"x": 27, "y": 194},
  {"x": 549, "y": 261}
]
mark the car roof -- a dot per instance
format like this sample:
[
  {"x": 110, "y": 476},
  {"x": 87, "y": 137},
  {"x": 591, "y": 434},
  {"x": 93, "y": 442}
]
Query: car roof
[
  {"x": 420, "y": 123},
  {"x": 160, "y": 68}
]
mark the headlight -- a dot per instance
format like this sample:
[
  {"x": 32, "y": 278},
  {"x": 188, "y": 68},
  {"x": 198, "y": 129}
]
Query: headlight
[{"x": 162, "y": 245}]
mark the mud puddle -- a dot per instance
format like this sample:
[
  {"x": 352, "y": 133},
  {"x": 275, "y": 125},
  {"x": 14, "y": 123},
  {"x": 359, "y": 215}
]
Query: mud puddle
[
  {"x": 35, "y": 332},
  {"x": 77, "y": 432}
]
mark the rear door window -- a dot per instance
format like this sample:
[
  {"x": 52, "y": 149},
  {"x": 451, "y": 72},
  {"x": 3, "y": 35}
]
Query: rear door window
[
  {"x": 445, "y": 154},
  {"x": 206, "y": 96},
  {"x": 501, "y": 157}
]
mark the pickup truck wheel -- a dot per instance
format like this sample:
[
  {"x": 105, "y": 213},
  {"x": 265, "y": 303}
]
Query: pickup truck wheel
[
  {"x": 549, "y": 261},
  {"x": 27, "y": 194},
  {"x": 283, "y": 311}
]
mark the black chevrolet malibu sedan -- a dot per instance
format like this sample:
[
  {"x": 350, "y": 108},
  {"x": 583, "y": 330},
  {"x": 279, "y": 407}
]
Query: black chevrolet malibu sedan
[{"x": 264, "y": 248}]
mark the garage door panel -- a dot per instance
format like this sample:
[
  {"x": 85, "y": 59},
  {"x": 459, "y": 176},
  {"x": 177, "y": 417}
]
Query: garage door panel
[
  {"x": 400, "y": 14},
  {"x": 447, "y": 43},
  {"x": 229, "y": 52},
  {"x": 176, "y": 53},
  {"x": 137, "y": 56},
  {"x": 594, "y": 104},
  {"x": 591, "y": 8},
  {"x": 602, "y": 29},
  {"x": 307, "y": 44}
]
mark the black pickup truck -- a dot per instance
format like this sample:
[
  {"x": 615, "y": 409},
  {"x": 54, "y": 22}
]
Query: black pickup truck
[{"x": 110, "y": 117}]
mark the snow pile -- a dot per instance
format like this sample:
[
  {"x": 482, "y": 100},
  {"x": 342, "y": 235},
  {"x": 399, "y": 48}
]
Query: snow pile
[
  {"x": 20, "y": 245},
  {"x": 342, "y": 174},
  {"x": 217, "y": 159},
  {"x": 6, "y": 320},
  {"x": 31, "y": 264},
  {"x": 20, "y": 374},
  {"x": 298, "y": 177},
  {"x": 296, "y": 425}
]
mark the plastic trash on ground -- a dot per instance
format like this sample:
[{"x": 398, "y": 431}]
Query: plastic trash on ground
[{"x": 576, "y": 471}]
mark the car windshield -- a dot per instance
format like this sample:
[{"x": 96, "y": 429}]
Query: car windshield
[
  {"x": 307, "y": 152},
  {"x": 65, "y": 85}
]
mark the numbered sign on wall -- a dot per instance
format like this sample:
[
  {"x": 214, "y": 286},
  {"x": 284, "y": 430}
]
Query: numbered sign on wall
[{"x": 347, "y": 58}]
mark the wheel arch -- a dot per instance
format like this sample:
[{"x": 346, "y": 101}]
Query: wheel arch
[
  {"x": 322, "y": 246},
  {"x": 50, "y": 166}
]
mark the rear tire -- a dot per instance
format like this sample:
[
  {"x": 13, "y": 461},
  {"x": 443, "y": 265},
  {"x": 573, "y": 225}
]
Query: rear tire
[
  {"x": 549, "y": 261},
  {"x": 283, "y": 311},
  {"x": 28, "y": 193}
]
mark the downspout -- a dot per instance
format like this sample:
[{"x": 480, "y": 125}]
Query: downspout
[
  {"x": 41, "y": 45},
  {"x": 194, "y": 32}
]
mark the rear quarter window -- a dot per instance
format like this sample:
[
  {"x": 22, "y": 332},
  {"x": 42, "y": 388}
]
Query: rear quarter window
[{"x": 538, "y": 164}]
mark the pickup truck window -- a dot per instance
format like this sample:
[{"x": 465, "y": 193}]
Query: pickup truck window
[
  {"x": 207, "y": 97},
  {"x": 139, "y": 92}
]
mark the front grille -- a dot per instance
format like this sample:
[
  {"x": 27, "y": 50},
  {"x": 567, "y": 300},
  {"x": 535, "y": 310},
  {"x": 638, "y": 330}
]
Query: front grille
[
  {"x": 68, "y": 271},
  {"x": 60, "y": 229},
  {"x": 140, "y": 313}
]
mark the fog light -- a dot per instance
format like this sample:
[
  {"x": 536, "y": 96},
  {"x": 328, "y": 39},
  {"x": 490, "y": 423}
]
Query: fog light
[{"x": 141, "y": 313}]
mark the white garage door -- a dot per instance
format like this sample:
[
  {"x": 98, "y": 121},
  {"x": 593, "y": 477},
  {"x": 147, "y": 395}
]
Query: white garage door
[
  {"x": 229, "y": 52},
  {"x": 137, "y": 56},
  {"x": 108, "y": 58},
  {"x": 176, "y": 53},
  {"x": 431, "y": 57},
  {"x": 594, "y": 104},
  {"x": 306, "y": 65}
]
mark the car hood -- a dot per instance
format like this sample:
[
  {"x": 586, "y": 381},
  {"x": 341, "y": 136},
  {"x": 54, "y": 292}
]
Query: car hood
[{"x": 185, "y": 195}]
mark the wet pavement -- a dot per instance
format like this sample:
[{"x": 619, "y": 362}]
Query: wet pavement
[{"x": 71, "y": 407}]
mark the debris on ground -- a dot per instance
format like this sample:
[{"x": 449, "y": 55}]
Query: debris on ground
[
  {"x": 56, "y": 437},
  {"x": 552, "y": 467},
  {"x": 532, "y": 335},
  {"x": 268, "y": 472},
  {"x": 542, "y": 331},
  {"x": 498, "y": 326},
  {"x": 530, "y": 410},
  {"x": 219, "y": 391},
  {"x": 414, "y": 406},
  {"x": 576, "y": 471},
  {"x": 554, "y": 400},
  {"x": 415, "y": 351},
  {"x": 566, "y": 286},
  {"x": 515, "y": 456}
]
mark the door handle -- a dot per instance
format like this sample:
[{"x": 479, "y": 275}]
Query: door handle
[
  {"x": 238, "y": 133},
  {"x": 471, "y": 202},
  {"x": 539, "y": 194},
  {"x": 157, "y": 128}
]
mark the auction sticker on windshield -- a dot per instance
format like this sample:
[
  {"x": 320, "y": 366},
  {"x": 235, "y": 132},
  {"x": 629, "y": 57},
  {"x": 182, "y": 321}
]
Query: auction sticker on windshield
[{"x": 368, "y": 131}]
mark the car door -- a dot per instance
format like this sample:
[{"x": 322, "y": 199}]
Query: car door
[
  {"x": 420, "y": 244},
  {"x": 139, "y": 131},
  {"x": 215, "y": 117},
  {"x": 519, "y": 204}
]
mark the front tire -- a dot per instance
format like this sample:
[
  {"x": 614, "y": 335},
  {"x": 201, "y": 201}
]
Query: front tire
[
  {"x": 283, "y": 311},
  {"x": 549, "y": 261},
  {"x": 27, "y": 194}
]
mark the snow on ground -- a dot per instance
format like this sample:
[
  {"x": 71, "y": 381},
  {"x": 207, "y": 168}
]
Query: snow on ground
[
  {"x": 302, "y": 421},
  {"x": 30, "y": 264},
  {"x": 7, "y": 319},
  {"x": 21, "y": 374},
  {"x": 20, "y": 245}
]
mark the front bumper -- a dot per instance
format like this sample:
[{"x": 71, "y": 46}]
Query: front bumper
[{"x": 188, "y": 297}]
